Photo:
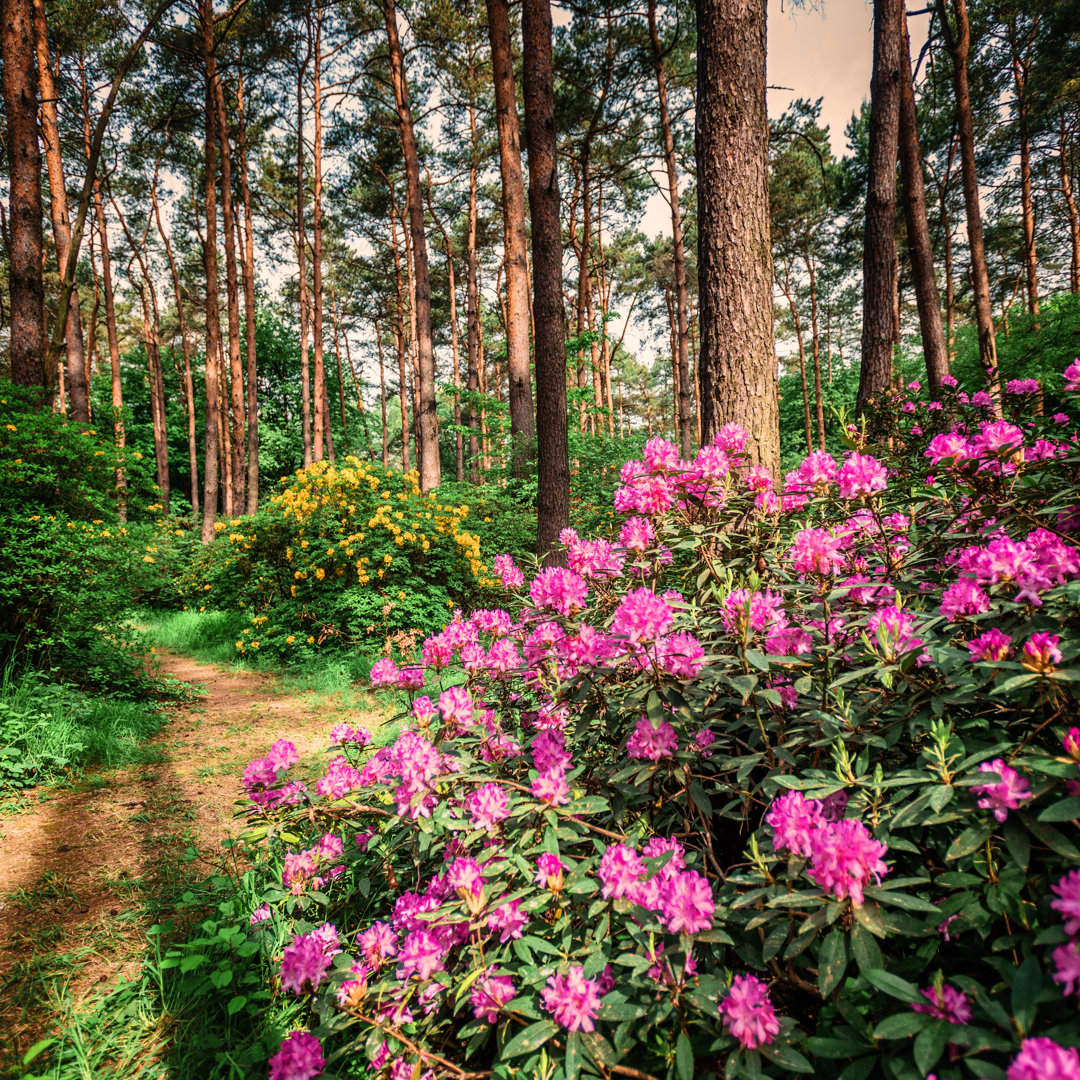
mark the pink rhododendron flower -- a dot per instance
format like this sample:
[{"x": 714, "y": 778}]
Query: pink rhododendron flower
[
  {"x": 421, "y": 954},
  {"x": 844, "y": 857},
  {"x": 572, "y": 999},
  {"x": 560, "y": 589},
  {"x": 339, "y": 779},
  {"x": 1067, "y": 967},
  {"x": 464, "y": 876},
  {"x": 949, "y": 447},
  {"x": 509, "y": 920},
  {"x": 758, "y": 478},
  {"x": 377, "y": 943},
  {"x": 1004, "y": 795},
  {"x": 596, "y": 559},
  {"x": 551, "y": 787},
  {"x": 731, "y": 438},
  {"x": 1022, "y": 386},
  {"x": 384, "y": 672},
  {"x": 1071, "y": 375},
  {"x": 794, "y": 819},
  {"x": 992, "y": 645},
  {"x": 637, "y": 534},
  {"x": 816, "y": 551},
  {"x": 703, "y": 741},
  {"x": 507, "y": 572},
  {"x": 963, "y": 598},
  {"x": 651, "y": 744},
  {"x": 305, "y": 962},
  {"x": 861, "y": 475},
  {"x": 489, "y": 993},
  {"x": 487, "y": 806},
  {"x": 423, "y": 708},
  {"x": 686, "y": 903},
  {"x": 947, "y": 1004},
  {"x": 1068, "y": 901},
  {"x": 549, "y": 871},
  {"x": 1071, "y": 743},
  {"x": 660, "y": 455},
  {"x": 456, "y": 707},
  {"x": 817, "y": 471},
  {"x": 340, "y": 734},
  {"x": 1044, "y": 1059},
  {"x": 1041, "y": 653},
  {"x": 260, "y": 914},
  {"x": 549, "y": 750},
  {"x": 757, "y": 611},
  {"x": 642, "y": 616},
  {"x": 748, "y": 1013},
  {"x": 998, "y": 438},
  {"x": 620, "y": 868},
  {"x": 300, "y": 1058},
  {"x": 893, "y": 629}
]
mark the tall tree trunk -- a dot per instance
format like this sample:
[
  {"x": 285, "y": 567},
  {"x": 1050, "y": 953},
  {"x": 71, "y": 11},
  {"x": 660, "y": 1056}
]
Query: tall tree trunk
[
  {"x": 686, "y": 417},
  {"x": 27, "y": 286},
  {"x": 553, "y": 455},
  {"x": 301, "y": 262},
  {"x": 210, "y": 266},
  {"x": 427, "y": 426},
  {"x": 451, "y": 288},
  {"x": 322, "y": 407},
  {"x": 77, "y": 386},
  {"x": 472, "y": 328},
  {"x": 116, "y": 386},
  {"x": 248, "y": 267},
  {"x": 1020, "y": 66},
  {"x": 522, "y": 425},
  {"x": 1070, "y": 206},
  {"x": 337, "y": 364},
  {"x": 399, "y": 340},
  {"x": 958, "y": 42},
  {"x": 815, "y": 346},
  {"x": 879, "y": 238},
  {"x": 737, "y": 362},
  {"x": 920, "y": 247},
  {"x": 382, "y": 399},
  {"x": 236, "y": 463},
  {"x": 189, "y": 386},
  {"x": 152, "y": 327},
  {"x": 414, "y": 364}
]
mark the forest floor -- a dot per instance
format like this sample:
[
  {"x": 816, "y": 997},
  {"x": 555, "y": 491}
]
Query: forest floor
[{"x": 90, "y": 867}]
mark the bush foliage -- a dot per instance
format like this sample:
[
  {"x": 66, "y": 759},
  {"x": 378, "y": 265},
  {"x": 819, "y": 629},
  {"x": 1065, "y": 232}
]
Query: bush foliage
[{"x": 797, "y": 796}]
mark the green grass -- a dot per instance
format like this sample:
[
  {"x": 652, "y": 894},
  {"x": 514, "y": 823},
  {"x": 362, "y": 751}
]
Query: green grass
[{"x": 50, "y": 731}]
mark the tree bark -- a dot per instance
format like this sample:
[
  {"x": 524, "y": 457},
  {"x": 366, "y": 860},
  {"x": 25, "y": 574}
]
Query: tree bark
[
  {"x": 301, "y": 262},
  {"x": 337, "y": 364},
  {"x": 399, "y": 339},
  {"x": 472, "y": 320},
  {"x": 248, "y": 266},
  {"x": 236, "y": 463},
  {"x": 189, "y": 384},
  {"x": 522, "y": 425},
  {"x": 382, "y": 399},
  {"x": 553, "y": 455},
  {"x": 737, "y": 362},
  {"x": 687, "y": 423},
  {"x": 1070, "y": 206},
  {"x": 210, "y": 265},
  {"x": 958, "y": 42},
  {"x": 427, "y": 421},
  {"x": 27, "y": 286},
  {"x": 77, "y": 383},
  {"x": 322, "y": 405},
  {"x": 879, "y": 237},
  {"x": 920, "y": 247},
  {"x": 1020, "y": 65}
]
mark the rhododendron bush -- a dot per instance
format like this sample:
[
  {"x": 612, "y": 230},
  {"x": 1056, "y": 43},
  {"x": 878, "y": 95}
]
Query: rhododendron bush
[{"x": 782, "y": 777}]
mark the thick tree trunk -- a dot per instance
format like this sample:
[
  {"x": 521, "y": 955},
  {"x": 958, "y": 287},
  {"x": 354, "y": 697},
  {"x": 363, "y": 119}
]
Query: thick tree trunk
[
  {"x": 337, "y": 365},
  {"x": 687, "y": 421},
  {"x": 879, "y": 238},
  {"x": 189, "y": 386},
  {"x": 210, "y": 266},
  {"x": 322, "y": 404},
  {"x": 737, "y": 362},
  {"x": 472, "y": 326},
  {"x": 399, "y": 339},
  {"x": 77, "y": 383},
  {"x": 920, "y": 247},
  {"x": 427, "y": 425},
  {"x": 301, "y": 263},
  {"x": 248, "y": 267},
  {"x": 553, "y": 456},
  {"x": 522, "y": 424},
  {"x": 116, "y": 386},
  {"x": 958, "y": 42},
  {"x": 27, "y": 286},
  {"x": 236, "y": 463}
]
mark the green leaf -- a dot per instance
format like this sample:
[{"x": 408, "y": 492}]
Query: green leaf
[
  {"x": 1062, "y": 810},
  {"x": 865, "y": 949},
  {"x": 532, "y": 1038},
  {"x": 901, "y": 1025},
  {"x": 38, "y": 1047},
  {"x": 869, "y": 915},
  {"x": 788, "y": 1056},
  {"x": 969, "y": 840},
  {"x": 832, "y": 962},
  {"x": 893, "y": 985},
  {"x": 684, "y": 1057},
  {"x": 572, "y": 1061},
  {"x": 1026, "y": 984},
  {"x": 701, "y": 800},
  {"x": 929, "y": 1044},
  {"x": 235, "y": 1004}
]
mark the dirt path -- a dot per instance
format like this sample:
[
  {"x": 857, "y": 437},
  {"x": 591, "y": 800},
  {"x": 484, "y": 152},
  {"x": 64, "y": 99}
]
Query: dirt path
[{"x": 85, "y": 868}]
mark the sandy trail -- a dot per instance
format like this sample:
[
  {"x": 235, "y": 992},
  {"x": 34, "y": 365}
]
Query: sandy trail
[{"x": 84, "y": 868}]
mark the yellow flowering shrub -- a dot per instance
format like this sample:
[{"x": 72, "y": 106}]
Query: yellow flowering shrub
[{"x": 346, "y": 554}]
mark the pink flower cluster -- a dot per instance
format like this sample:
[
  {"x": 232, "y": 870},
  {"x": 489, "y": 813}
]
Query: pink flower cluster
[
  {"x": 844, "y": 856},
  {"x": 1005, "y": 794},
  {"x": 748, "y": 1013},
  {"x": 572, "y": 999},
  {"x": 300, "y": 1058},
  {"x": 1067, "y": 957},
  {"x": 1044, "y": 1059},
  {"x": 262, "y": 776},
  {"x": 308, "y": 868},
  {"x": 305, "y": 962}
]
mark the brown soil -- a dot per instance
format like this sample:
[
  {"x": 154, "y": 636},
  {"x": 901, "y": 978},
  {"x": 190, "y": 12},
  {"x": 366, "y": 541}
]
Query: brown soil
[{"x": 86, "y": 867}]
